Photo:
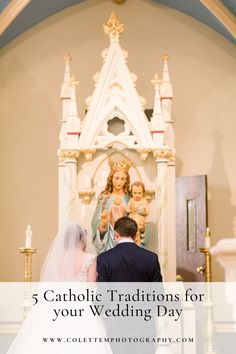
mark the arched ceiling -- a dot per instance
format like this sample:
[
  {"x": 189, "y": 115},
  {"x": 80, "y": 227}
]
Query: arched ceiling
[{"x": 17, "y": 16}]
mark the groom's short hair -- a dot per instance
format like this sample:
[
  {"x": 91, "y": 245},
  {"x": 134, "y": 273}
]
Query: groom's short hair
[{"x": 126, "y": 227}]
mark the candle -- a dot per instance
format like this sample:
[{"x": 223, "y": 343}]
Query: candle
[
  {"x": 28, "y": 237},
  {"x": 208, "y": 238}
]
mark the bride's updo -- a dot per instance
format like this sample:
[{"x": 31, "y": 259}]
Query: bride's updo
[{"x": 74, "y": 236}]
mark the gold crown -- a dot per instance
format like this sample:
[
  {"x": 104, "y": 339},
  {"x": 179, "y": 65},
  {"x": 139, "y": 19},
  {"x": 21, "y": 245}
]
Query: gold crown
[{"x": 121, "y": 165}]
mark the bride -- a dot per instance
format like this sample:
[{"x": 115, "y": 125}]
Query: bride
[
  {"x": 67, "y": 259},
  {"x": 67, "y": 267}
]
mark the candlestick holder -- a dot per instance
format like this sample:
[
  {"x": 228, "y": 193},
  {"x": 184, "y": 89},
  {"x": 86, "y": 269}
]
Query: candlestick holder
[
  {"x": 28, "y": 253},
  {"x": 209, "y": 333},
  {"x": 206, "y": 269}
]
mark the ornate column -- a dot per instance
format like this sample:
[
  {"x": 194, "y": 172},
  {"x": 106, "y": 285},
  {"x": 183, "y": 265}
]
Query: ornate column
[
  {"x": 61, "y": 189},
  {"x": 166, "y": 213},
  {"x": 68, "y": 185}
]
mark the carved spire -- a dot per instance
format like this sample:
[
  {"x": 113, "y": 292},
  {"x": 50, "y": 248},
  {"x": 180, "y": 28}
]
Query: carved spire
[
  {"x": 113, "y": 27},
  {"x": 115, "y": 93},
  {"x": 157, "y": 102},
  {"x": 73, "y": 84},
  {"x": 166, "y": 87},
  {"x": 166, "y": 91},
  {"x": 68, "y": 58},
  {"x": 157, "y": 121},
  {"x": 65, "y": 89},
  {"x": 65, "y": 97},
  {"x": 73, "y": 121},
  {"x": 166, "y": 76}
]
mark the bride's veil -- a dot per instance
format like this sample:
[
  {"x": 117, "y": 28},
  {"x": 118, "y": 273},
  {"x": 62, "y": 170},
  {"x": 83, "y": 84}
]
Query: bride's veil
[{"x": 63, "y": 258}]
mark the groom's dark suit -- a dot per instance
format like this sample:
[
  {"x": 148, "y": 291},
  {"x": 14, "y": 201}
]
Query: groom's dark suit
[{"x": 127, "y": 262}]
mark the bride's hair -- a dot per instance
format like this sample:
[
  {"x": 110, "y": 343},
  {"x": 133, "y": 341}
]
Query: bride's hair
[
  {"x": 62, "y": 257},
  {"x": 74, "y": 236}
]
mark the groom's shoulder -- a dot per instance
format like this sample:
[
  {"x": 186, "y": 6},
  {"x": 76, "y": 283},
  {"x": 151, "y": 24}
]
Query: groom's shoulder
[
  {"x": 106, "y": 254},
  {"x": 140, "y": 250},
  {"x": 148, "y": 255},
  {"x": 148, "y": 252}
]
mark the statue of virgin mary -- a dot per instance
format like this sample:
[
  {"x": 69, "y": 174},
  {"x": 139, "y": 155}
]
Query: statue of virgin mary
[{"x": 112, "y": 203}]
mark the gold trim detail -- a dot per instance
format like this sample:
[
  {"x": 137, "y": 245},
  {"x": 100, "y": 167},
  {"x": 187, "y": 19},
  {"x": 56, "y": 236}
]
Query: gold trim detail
[
  {"x": 67, "y": 154},
  {"x": 122, "y": 165},
  {"x": 88, "y": 153},
  {"x": 115, "y": 85},
  {"x": 86, "y": 196},
  {"x": 107, "y": 159},
  {"x": 167, "y": 155},
  {"x": 67, "y": 58},
  {"x": 206, "y": 269},
  {"x": 61, "y": 159},
  {"x": 119, "y": 1},
  {"x": 144, "y": 153},
  {"x": 113, "y": 25},
  {"x": 28, "y": 252},
  {"x": 165, "y": 57}
]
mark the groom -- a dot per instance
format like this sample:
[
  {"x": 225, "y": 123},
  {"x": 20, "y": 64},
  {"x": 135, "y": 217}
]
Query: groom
[{"x": 127, "y": 262}]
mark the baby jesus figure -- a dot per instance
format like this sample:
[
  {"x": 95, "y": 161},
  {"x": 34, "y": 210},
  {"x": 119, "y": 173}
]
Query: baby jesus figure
[{"x": 138, "y": 209}]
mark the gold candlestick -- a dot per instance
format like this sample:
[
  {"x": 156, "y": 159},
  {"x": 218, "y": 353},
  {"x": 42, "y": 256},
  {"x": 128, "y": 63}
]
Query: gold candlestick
[
  {"x": 209, "y": 330},
  {"x": 28, "y": 252},
  {"x": 206, "y": 270}
]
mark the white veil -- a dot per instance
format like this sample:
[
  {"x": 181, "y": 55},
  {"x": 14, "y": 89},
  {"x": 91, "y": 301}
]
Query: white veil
[{"x": 64, "y": 258}]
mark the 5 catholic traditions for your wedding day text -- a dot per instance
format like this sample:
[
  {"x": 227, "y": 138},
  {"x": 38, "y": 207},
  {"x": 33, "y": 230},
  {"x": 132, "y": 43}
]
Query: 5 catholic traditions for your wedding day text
[{"x": 111, "y": 302}]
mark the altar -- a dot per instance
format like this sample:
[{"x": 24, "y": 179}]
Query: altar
[{"x": 115, "y": 127}]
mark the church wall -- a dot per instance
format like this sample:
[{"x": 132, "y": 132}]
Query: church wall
[{"x": 203, "y": 71}]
